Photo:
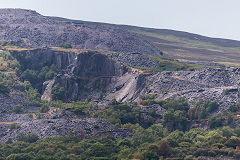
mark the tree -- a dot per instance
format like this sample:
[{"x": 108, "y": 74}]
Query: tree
[
  {"x": 29, "y": 75},
  {"x": 4, "y": 88},
  {"x": 175, "y": 120},
  {"x": 210, "y": 105},
  {"x": 216, "y": 122},
  {"x": 58, "y": 92},
  {"x": 30, "y": 138},
  {"x": 18, "y": 109},
  {"x": 148, "y": 155},
  {"x": 164, "y": 149}
]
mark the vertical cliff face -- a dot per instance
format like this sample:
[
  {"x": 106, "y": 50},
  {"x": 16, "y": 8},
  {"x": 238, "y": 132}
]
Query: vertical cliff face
[
  {"x": 89, "y": 75},
  {"x": 37, "y": 58},
  {"x": 83, "y": 75}
]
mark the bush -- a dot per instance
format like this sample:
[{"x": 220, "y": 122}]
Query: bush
[
  {"x": 178, "y": 104},
  {"x": 44, "y": 109},
  {"x": 18, "y": 109},
  {"x": 58, "y": 92},
  {"x": 211, "y": 106},
  {"x": 233, "y": 142},
  {"x": 4, "y": 88},
  {"x": 164, "y": 149},
  {"x": 216, "y": 122},
  {"x": 234, "y": 108},
  {"x": 30, "y": 138},
  {"x": 114, "y": 102},
  {"x": 67, "y": 46},
  {"x": 29, "y": 75},
  {"x": 9, "y": 141},
  {"x": 202, "y": 152},
  {"x": 27, "y": 85},
  {"x": 20, "y": 156},
  {"x": 148, "y": 155},
  {"x": 50, "y": 75},
  {"x": 14, "y": 126},
  {"x": 175, "y": 120}
]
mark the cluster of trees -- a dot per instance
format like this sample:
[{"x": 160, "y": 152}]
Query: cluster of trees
[
  {"x": 8, "y": 65},
  {"x": 153, "y": 143},
  {"x": 202, "y": 110},
  {"x": 120, "y": 114},
  {"x": 179, "y": 114},
  {"x": 36, "y": 76}
]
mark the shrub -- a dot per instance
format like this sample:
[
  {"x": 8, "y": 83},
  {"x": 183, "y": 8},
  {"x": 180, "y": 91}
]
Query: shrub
[
  {"x": 18, "y": 109},
  {"x": 147, "y": 102},
  {"x": 164, "y": 149},
  {"x": 44, "y": 109},
  {"x": 216, "y": 122},
  {"x": 14, "y": 126},
  {"x": 50, "y": 75},
  {"x": 178, "y": 104},
  {"x": 9, "y": 141},
  {"x": 114, "y": 102},
  {"x": 148, "y": 155},
  {"x": 30, "y": 138},
  {"x": 58, "y": 92},
  {"x": 234, "y": 108},
  {"x": 175, "y": 120},
  {"x": 211, "y": 106},
  {"x": 29, "y": 75},
  {"x": 67, "y": 46},
  {"x": 233, "y": 142},
  {"x": 27, "y": 85},
  {"x": 201, "y": 152},
  {"x": 4, "y": 88}
]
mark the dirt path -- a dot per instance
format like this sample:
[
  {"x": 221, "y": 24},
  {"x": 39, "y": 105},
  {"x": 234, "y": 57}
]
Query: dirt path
[{"x": 9, "y": 123}]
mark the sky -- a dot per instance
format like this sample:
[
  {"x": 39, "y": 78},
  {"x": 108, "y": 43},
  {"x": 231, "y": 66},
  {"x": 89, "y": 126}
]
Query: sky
[{"x": 213, "y": 18}]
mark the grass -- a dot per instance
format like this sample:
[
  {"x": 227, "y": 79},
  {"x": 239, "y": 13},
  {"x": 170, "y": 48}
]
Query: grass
[
  {"x": 229, "y": 64},
  {"x": 165, "y": 64},
  {"x": 191, "y": 49},
  {"x": 171, "y": 65}
]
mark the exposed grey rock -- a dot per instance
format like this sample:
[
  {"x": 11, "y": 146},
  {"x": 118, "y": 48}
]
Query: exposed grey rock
[
  {"x": 29, "y": 29},
  {"x": 95, "y": 76},
  {"x": 47, "y": 87},
  {"x": 206, "y": 64},
  {"x": 212, "y": 84},
  {"x": 134, "y": 59},
  {"x": 156, "y": 107},
  {"x": 83, "y": 128}
]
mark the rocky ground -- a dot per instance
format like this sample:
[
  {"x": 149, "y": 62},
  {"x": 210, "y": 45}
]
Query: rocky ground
[
  {"x": 134, "y": 60},
  {"x": 29, "y": 29},
  {"x": 212, "y": 84}
]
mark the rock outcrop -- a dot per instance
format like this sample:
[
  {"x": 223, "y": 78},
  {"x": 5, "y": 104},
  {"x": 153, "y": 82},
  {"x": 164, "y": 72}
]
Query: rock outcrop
[{"x": 84, "y": 75}]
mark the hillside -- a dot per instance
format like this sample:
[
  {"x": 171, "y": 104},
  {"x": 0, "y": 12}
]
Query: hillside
[
  {"x": 75, "y": 90},
  {"x": 27, "y": 28},
  {"x": 188, "y": 47}
]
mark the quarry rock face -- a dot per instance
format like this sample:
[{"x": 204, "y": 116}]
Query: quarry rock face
[
  {"x": 103, "y": 78},
  {"x": 99, "y": 78},
  {"x": 86, "y": 74}
]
